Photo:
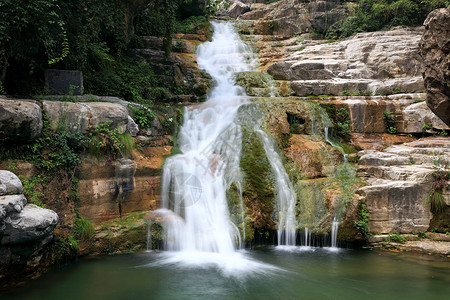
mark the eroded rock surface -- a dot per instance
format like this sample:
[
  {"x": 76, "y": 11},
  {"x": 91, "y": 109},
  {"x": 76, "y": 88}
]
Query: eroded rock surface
[
  {"x": 381, "y": 62},
  {"x": 435, "y": 51},
  {"x": 400, "y": 179}
]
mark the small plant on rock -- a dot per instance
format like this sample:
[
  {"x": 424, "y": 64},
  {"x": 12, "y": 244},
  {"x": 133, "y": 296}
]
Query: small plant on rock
[
  {"x": 441, "y": 176},
  {"x": 103, "y": 140},
  {"x": 389, "y": 121},
  {"x": 396, "y": 237}
]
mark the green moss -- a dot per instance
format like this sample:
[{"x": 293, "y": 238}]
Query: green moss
[
  {"x": 258, "y": 191},
  {"x": 253, "y": 79}
]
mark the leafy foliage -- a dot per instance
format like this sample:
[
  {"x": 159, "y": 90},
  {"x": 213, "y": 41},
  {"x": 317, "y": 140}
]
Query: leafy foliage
[
  {"x": 441, "y": 176},
  {"x": 389, "y": 122},
  {"x": 103, "y": 140},
  {"x": 396, "y": 237},
  {"x": 143, "y": 116},
  {"x": 372, "y": 15},
  {"x": 363, "y": 223}
]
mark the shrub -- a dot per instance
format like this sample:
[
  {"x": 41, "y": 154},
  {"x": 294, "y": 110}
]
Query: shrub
[
  {"x": 143, "y": 116},
  {"x": 396, "y": 237},
  {"x": 103, "y": 140},
  {"x": 363, "y": 224},
  {"x": 83, "y": 229}
]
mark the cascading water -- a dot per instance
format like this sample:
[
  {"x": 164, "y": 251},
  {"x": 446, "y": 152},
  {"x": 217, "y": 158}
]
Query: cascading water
[
  {"x": 286, "y": 198},
  {"x": 194, "y": 183}
]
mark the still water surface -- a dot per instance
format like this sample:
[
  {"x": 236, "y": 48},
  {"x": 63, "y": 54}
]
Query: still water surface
[{"x": 275, "y": 274}]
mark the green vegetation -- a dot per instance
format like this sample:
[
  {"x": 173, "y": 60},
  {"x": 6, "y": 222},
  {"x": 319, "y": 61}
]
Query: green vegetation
[
  {"x": 95, "y": 37},
  {"x": 106, "y": 141},
  {"x": 373, "y": 15},
  {"x": 389, "y": 122},
  {"x": 340, "y": 118},
  {"x": 396, "y": 237},
  {"x": 83, "y": 230},
  {"x": 31, "y": 189},
  {"x": 258, "y": 191},
  {"x": 363, "y": 223},
  {"x": 143, "y": 116}
]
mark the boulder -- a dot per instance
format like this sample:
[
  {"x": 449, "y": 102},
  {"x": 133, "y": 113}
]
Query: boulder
[
  {"x": 31, "y": 224},
  {"x": 20, "y": 120},
  {"x": 435, "y": 51},
  {"x": 9, "y": 183},
  {"x": 236, "y": 9},
  {"x": 81, "y": 116},
  {"x": 418, "y": 115}
]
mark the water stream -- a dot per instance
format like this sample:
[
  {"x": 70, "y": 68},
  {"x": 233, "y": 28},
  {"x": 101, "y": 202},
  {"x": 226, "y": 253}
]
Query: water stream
[{"x": 196, "y": 212}]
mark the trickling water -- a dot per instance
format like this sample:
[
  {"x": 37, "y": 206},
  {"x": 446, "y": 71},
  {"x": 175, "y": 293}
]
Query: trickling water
[
  {"x": 334, "y": 231},
  {"x": 194, "y": 183},
  {"x": 334, "y": 145},
  {"x": 286, "y": 198}
]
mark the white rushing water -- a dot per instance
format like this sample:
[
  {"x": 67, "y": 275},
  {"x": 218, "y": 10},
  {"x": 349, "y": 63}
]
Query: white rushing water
[
  {"x": 196, "y": 216},
  {"x": 194, "y": 183},
  {"x": 285, "y": 196}
]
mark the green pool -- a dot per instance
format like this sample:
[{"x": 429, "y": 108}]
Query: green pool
[{"x": 263, "y": 273}]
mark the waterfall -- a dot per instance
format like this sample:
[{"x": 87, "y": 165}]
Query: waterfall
[
  {"x": 286, "y": 197},
  {"x": 334, "y": 145},
  {"x": 334, "y": 231},
  {"x": 194, "y": 183}
]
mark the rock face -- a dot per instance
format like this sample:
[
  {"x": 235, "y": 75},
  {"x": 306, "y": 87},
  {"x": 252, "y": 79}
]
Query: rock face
[
  {"x": 382, "y": 62},
  {"x": 25, "y": 229},
  {"x": 20, "y": 120},
  {"x": 400, "y": 179},
  {"x": 289, "y": 17},
  {"x": 109, "y": 191},
  {"x": 435, "y": 51}
]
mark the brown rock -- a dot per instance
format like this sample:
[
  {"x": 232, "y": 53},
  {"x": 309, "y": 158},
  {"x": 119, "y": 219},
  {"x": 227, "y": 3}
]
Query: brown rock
[{"x": 435, "y": 51}]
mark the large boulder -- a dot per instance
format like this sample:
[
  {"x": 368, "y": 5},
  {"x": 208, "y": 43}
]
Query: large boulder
[
  {"x": 31, "y": 224},
  {"x": 20, "y": 120},
  {"x": 21, "y": 222},
  {"x": 81, "y": 116},
  {"x": 435, "y": 51},
  {"x": 9, "y": 183}
]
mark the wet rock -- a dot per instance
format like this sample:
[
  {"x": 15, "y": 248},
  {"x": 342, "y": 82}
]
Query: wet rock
[
  {"x": 20, "y": 120},
  {"x": 109, "y": 191},
  {"x": 435, "y": 51}
]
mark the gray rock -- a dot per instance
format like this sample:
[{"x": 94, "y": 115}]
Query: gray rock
[
  {"x": 236, "y": 9},
  {"x": 400, "y": 179},
  {"x": 132, "y": 127},
  {"x": 10, "y": 184},
  {"x": 378, "y": 61},
  {"x": 20, "y": 120},
  {"x": 11, "y": 204},
  {"x": 435, "y": 51},
  {"x": 31, "y": 224},
  {"x": 80, "y": 116},
  {"x": 417, "y": 115}
]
